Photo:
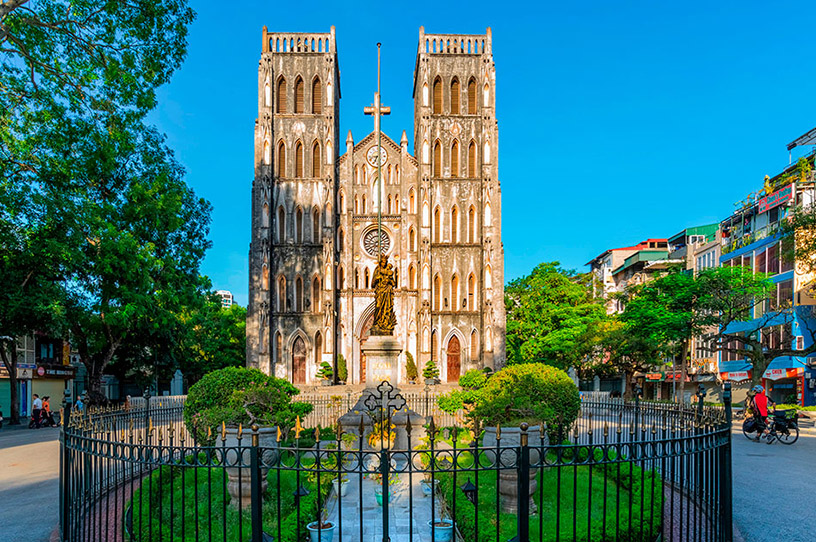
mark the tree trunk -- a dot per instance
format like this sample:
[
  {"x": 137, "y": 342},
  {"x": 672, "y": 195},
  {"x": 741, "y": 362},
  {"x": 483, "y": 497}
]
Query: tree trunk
[
  {"x": 10, "y": 361},
  {"x": 628, "y": 393},
  {"x": 94, "y": 391},
  {"x": 683, "y": 372}
]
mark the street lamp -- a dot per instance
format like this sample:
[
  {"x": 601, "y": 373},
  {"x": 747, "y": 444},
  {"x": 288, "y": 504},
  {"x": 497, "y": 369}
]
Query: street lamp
[{"x": 469, "y": 490}]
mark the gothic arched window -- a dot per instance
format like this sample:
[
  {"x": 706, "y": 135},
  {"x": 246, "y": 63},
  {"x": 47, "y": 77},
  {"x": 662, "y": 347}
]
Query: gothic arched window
[
  {"x": 472, "y": 160},
  {"x": 299, "y": 95},
  {"x": 437, "y": 226},
  {"x": 316, "y": 225},
  {"x": 412, "y": 239},
  {"x": 454, "y": 237},
  {"x": 474, "y": 345},
  {"x": 454, "y": 98},
  {"x": 281, "y": 294},
  {"x": 472, "y": 225},
  {"x": 437, "y": 159},
  {"x": 412, "y": 277},
  {"x": 437, "y": 293},
  {"x": 411, "y": 201},
  {"x": 299, "y": 226},
  {"x": 317, "y": 96},
  {"x": 454, "y": 159},
  {"x": 299, "y": 160},
  {"x": 340, "y": 240},
  {"x": 281, "y": 165},
  {"x": 298, "y": 294},
  {"x": 278, "y": 347},
  {"x": 455, "y": 293},
  {"x": 281, "y": 225},
  {"x": 316, "y": 159},
  {"x": 316, "y": 294},
  {"x": 437, "y": 96},
  {"x": 471, "y": 300},
  {"x": 280, "y": 96},
  {"x": 472, "y": 97}
]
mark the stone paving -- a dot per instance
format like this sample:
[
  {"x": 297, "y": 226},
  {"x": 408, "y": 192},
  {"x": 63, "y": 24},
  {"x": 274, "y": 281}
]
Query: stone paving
[{"x": 402, "y": 526}]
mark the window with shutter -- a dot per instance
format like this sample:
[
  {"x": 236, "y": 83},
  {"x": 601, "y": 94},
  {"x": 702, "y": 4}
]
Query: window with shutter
[
  {"x": 437, "y": 97},
  {"x": 299, "y": 160},
  {"x": 455, "y": 159},
  {"x": 437, "y": 226},
  {"x": 316, "y": 225},
  {"x": 471, "y": 97},
  {"x": 454, "y": 236},
  {"x": 472, "y": 160},
  {"x": 281, "y": 165},
  {"x": 316, "y": 160},
  {"x": 281, "y": 96},
  {"x": 437, "y": 157},
  {"x": 455, "y": 95},
  {"x": 299, "y": 226},
  {"x": 317, "y": 96},
  {"x": 299, "y": 95}
]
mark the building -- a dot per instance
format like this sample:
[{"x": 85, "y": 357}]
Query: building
[
  {"x": 314, "y": 214},
  {"x": 226, "y": 298}
]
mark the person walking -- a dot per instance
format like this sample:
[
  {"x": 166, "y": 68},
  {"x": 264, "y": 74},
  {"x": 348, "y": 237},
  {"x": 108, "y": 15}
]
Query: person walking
[
  {"x": 36, "y": 411},
  {"x": 47, "y": 415}
]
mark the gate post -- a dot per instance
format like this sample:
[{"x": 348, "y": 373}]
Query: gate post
[
  {"x": 256, "y": 493},
  {"x": 726, "y": 489},
  {"x": 524, "y": 487},
  {"x": 63, "y": 477}
]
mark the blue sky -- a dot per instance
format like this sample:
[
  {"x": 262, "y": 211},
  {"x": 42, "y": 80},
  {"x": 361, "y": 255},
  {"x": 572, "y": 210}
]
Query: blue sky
[{"x": 617, "y": 120}]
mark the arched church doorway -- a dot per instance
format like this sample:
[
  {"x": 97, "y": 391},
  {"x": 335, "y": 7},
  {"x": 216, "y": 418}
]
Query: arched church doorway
[
  {"x": 299, "y": 361},
  {"x": 454, "y": 355}
]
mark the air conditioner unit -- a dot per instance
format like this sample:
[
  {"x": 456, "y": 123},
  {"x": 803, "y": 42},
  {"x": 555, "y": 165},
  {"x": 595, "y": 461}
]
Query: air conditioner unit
[{"x": 800, "y": 342}]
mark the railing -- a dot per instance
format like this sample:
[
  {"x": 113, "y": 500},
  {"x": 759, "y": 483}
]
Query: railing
[
  {"x": 454, "y": 44},
  {"x": 621, "y": 471},
  {"x": 299, "y": 42}
]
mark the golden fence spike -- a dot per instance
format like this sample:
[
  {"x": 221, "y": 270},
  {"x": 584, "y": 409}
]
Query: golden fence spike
[
  {"x": 223, "y": 431},
  {"x": 279, "y": 434},
  {"x": 240, "y": 431},
  {"x": 298, "y": 427},
  {"x": 209, "y": 433},
  {"x": 317, "y": 434}
]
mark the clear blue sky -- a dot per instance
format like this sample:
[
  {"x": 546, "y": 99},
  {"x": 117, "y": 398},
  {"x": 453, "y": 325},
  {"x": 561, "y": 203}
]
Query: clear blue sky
[{"x": 618, "y": 120}]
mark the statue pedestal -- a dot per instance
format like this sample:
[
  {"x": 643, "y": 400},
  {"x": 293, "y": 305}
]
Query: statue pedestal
[
  {"x": 382, "y": 360},
  {"x": 382, "y": 363}
]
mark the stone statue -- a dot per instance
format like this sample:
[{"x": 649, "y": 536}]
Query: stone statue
[{"x": 383, "y": 283}]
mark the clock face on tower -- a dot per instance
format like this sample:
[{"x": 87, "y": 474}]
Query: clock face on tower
[
  {"x": 373, "y": 154},
  {"x": 370, "y": 243}
]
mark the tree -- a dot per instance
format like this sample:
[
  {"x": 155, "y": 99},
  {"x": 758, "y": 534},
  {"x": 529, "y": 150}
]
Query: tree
[
  {"x": 145, "y": 236},
  {"x": 552, "y": 318}
]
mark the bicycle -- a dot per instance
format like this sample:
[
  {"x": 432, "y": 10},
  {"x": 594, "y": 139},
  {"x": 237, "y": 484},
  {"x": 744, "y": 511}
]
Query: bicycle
[{"x": 781, "y": 426}]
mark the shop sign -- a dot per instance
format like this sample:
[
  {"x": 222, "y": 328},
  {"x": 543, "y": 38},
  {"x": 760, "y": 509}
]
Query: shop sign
[
  {"x": 3, "y": 372},
  {"x": 778, "y": 374},
  {"x": 654, "y": 376},
  {"x": 735, "y": 376},
  {"x": 24, "y": 373},
  {"x": 776, "y": 198},
  {"x": 40, "y": 371},
  {"x": 61, "y": 372}
]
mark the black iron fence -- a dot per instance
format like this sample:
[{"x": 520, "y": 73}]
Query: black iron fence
[{"x": 629, "y": 471}]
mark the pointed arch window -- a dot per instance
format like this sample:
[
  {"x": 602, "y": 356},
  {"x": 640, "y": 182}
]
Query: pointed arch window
[
  {"x": 316, "y": 294},
  {"x": 412, "y": 277},
  {"x": 412, "y": 239},
  {"x": 281, "y": 225},
  {"x": 472, "y": 225},
  {"x": 318, "y": 349},
  {"x": 472, "y": 160},
  {"x": 471, "y": 300},
  {"x": 340, "y": 240},
  {"x": 265, "y": 277},
  {"x": 367, "y": 278},
  {"x": 434, "y": 349},
  {"x": 278, "y": 347},
  {"x": 299, "y": 95},
  {"x": 267, "y": 153},
  {"x": 280, "y": 96},
  {"x": 454, "y": 236},
  {"x": 454, "y": 98},
  {"x": 455, "y": 159},
  {"x": 437, "y": 292},
  {"x": 437, "y": 159},
  {"x": 437, "y": 96},
  {"x": 363, "y": 207},
  {"x": 474, "y": 345},
  {"x": 317, "y": 96},
  {"x": 316, "y": 159},
  {"x": 316, "y": 225},
  {"x": 471, "y": 91},
  {"x": 299, "y": 160},
  {"x": 356, "y": 279},
  {"x": 356, "y": 205},
  {"x": 411, "y": 201},
  {"x": 299, "y": 226},
  {"x": 281, "y": 294},
  {"x": 388, "y": 205},
  {"x": 437, "y": 226},
  {"x": 341, "y": 278},
  {"x": 298, "y": 294},
  {"x": 265, "y": 216},
  {"x": 281, "y": 165},
  {"x": 455, "y": 293}
]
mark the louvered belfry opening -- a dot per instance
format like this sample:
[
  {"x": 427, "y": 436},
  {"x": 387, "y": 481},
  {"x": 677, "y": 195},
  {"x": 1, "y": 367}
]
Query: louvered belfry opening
[
  {"x": 455, "y": 107},
  {"x": 437, "y": 97},
  {"x": 472, "y": 160},
  {"x": 316, "y": 160},
  {"x": 472, "y": 97},
  {"x": 437, "y": 157},
  {"x": 317, "y": 96},
  {"x": 281, "y": 165},
  {"x": 299, "y": 95},
  {"x": 280, "y": 96},
  {"x": 455, "y": 159},
  {"x": 299, "y": 160}
]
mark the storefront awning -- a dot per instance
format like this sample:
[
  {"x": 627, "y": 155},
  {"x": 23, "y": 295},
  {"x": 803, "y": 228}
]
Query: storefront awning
[
  {"x": 735, "y": 371},
  {"x": 785, "y": 367},
  {"x": 655, "y": 377},
  {"x": 676, "y": 377}
]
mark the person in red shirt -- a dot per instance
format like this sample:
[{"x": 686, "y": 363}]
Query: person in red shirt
[{"x": 759, "y": 408}]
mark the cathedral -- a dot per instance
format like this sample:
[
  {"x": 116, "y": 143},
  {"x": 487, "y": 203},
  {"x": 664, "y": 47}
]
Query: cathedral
[{"x": 315, "y": 236}]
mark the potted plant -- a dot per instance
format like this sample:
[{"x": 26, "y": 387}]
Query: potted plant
[
  {"x": 224, "y": 405},
  {"x": 348, "y": 440},
  {"x": 342, "y": 369},
  {"x": 377, "y": 478},
  {"x": 325, "y": 373},
  {"x": 431, "y": 373},
  {"x": 411, "y": 372},
  {"x": 383, "y": 431},
  {"x": 321, "y": 530},
  {"x": 441, "y": 530},
  {"x": 427, "y": 483},
  {"x": 340, "y": 485}
]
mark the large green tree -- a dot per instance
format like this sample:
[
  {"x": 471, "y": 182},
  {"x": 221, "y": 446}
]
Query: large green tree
[{"x": 552, "y": 317}]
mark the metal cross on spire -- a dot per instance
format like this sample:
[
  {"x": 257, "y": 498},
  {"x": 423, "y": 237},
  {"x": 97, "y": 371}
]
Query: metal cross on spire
[{"x": 377, "y": 110}]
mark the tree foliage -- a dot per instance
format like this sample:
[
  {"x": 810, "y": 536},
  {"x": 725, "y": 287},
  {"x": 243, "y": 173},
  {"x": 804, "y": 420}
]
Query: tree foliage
[{"x": 552, "y": 317}]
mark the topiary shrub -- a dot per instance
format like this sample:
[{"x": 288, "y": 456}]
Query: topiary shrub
[
  {"x": 342, "y": 368},
  {"x": 239, "y": 395},
  {"x": 528, "y": 392},
  {"x": 411, "y": 371},
  {"x": 431, "y": 371},
  {"x": 325, "y": 372}
]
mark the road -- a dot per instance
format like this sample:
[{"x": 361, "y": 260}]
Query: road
[
  {"x": 29, "y": 483},
  {"x": 773, "y": 488}
]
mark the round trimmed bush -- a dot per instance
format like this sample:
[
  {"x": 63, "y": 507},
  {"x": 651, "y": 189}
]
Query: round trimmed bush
[
  {"x": 237, "y": 395},
  {"x": 528, "y": 392}
]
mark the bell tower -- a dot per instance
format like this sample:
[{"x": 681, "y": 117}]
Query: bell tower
[{"x": 290, "y": 318}]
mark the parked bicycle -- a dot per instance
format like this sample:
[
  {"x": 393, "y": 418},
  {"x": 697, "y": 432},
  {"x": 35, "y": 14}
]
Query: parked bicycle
[{"x": 782, "y": 426}]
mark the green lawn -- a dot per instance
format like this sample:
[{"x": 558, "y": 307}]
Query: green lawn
[
  {"x": 187, "y": 504},
  {"x": 570, "y": 520}
]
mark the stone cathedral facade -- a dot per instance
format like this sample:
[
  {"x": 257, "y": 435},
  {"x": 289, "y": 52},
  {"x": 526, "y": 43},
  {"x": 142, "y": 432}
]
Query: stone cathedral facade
[{"x": 314, "y": 214}]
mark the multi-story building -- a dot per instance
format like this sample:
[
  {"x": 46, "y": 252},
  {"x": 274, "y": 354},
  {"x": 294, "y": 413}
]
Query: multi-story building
[
  {"x": 315, "y": 236},
  {"x": 227, "y": 298}
]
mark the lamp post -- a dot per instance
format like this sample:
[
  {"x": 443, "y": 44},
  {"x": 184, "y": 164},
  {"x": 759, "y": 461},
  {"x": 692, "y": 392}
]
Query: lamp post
[{"x": 469, "y": 490}]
